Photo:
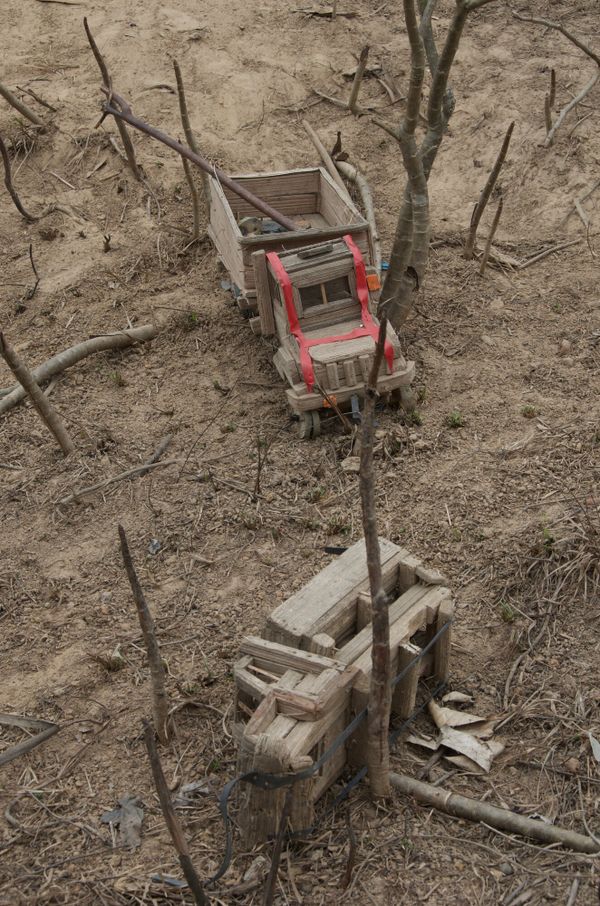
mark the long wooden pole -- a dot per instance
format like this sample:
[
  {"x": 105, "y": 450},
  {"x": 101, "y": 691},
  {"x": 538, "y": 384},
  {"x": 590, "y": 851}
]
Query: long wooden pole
[{"x": 126, "y": 114}]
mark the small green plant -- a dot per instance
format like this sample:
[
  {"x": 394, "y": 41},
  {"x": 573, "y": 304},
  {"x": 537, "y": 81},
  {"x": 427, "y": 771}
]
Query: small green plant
[
  {"x": 529, "y": 412},
  {"x": 456, "y": 533},
  {"x": 117, "y": 379},
  {"x": 229, "y": 428},
  {"x": 422, "y": 395},
  {"x": 414, "y": 418},
  {"x": 337, "y": 526},
  {"x": 455, "y": 420},
  {"x": 547, "y": 537},
  {"x": 508, "y": 613},
  {"x": 189, "y": 320},
  {"x": 316, "y": 494},
  {"x": 556, "y": 308}
]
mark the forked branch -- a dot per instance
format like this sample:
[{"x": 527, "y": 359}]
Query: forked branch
[
  {"x": 486, "y": 193},
  {"x": 9, "y": 184},
  {"x": 558, "y": 26},
  {"x": 23, "y": 109}
]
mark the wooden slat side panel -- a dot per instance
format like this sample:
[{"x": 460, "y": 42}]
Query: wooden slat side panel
[
  {"x": 225, "y": 235},
  {"x": 284, "y": 182},
  {"x": 302, "y": 203},
  {"x": 263, "y": 294},
  {"x": 334, "y": 207},
  {"x": 329, "y": 590}
]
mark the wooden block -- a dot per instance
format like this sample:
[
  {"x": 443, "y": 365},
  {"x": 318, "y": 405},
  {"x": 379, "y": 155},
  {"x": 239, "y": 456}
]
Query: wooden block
[
  {"x": 364, "y": 605},
  {"x": 255, "y": 326},
  {"x": 263, "y": 293},
  {"x": 405, "y": 693},
  {"x": 365, "y": 366},
  {"x": 321, "y": 643},
  {"x": 408, "y": 570},
  {"x": 332, "y": 376},
  {"x": 441, "y": 657},
  {"x": 324, "y": 601},
  {"x": 350, "y": 372}
]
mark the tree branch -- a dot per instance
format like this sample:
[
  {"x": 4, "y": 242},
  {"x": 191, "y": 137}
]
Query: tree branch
[
  {"x": 568, "y": 107},
  {"x": 9, "y": 184},
  {"x": 558, "y": 27},
  {"x": 191, "y": 140},
  {"x": 23, "y": 109}
]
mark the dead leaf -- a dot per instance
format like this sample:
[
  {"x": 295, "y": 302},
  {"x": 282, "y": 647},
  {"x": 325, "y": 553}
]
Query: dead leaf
[
  {"x": 426, "y": 742},
  {"x": 482, "y": 753},
  {"x": 128, "y": 818},
  {"x": 458, "y": 697},
  {"x": 449, "y": 717},
  {"x": 595, "y": 746}
]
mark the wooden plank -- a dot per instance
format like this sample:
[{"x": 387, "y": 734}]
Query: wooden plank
[
  {"x": 349, "y": 372},
  {"x": 363, "y": 641},
  {"x": 336, "y": 208},
  {"x": 405, "y": 694},
  {"x": 263, "y": 293},
  {"x": 441, "y": 654},
  {"x": 275, "y": 653},
  {"x": 364, "y": 606},
  {"x": 292, "y": 204},
  {"x": 327, "y": 593}
]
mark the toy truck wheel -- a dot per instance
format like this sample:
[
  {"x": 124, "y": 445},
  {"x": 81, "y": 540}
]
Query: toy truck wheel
[{"x": 310, "y": 425}]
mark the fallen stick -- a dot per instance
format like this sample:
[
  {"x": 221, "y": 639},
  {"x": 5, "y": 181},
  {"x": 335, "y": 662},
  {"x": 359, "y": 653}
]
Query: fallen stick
[
  {"x": 546, "y": 252},
  {"x": 568, "y": 107},
  {"x": 499, "y": 818},
  {"x": 9, "y": 184},
  {"x": 580, "y": 201},
  {"x": 487, "y": 191},
  {"x": 129, "y": 473},
  {"x": 560, "y": 27},
  {"x": 171, "y": 819},
  {"x": 11, "y": 396},
  {"x": 46, "y": 727},
  {"x": 354, "y": 175},
  {"x": 43, "y": 407},
  {"x": 126, "y": 114},
  {"x": 160, "y": 701},
  {"x": 325, "y": 157},
  {"x": 23, "y": 109}
]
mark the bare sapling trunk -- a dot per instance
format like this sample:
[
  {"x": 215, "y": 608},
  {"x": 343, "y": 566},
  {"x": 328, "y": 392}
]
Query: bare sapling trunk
[
  {"x": 160, "y": 701},
  {"x": 358, "y": 77},
  {"x": 125, "y": 138},
  {"x": 191, "y": 140},
  {"x": 486, "y": 193},
  {"x": 380, "y": 693},
  {"x": 172, "y": 821},
  {"x": 410, "y": 251},
  {"x": 42, "y": 405}
]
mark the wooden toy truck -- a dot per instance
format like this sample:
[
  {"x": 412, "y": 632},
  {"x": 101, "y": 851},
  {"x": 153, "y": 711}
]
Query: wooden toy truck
[{"x": 311, "y": 288}]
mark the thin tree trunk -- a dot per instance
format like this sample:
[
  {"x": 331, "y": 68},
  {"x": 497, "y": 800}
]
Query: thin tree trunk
[
  {"x": 378, "y": 719},
  {"x": 160, "y": 701},
  {"x": 189, "y": 136},
  {"x": 487, "y": 191}
]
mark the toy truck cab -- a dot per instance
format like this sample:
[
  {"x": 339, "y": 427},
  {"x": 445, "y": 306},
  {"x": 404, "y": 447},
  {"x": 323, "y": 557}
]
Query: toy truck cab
[{"x": 317, "y": 301}]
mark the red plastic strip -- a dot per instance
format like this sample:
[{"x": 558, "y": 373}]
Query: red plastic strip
[{"x": 368, "y": 328}]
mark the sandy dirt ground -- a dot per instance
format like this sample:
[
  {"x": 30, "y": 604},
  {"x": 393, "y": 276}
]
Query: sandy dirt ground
[{"x": 496, "y": 483}]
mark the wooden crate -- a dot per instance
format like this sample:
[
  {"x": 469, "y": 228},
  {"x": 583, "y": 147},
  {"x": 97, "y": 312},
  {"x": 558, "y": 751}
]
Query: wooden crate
[
  {"x": 300, "y": 686},
  {"x": 331, "y": 615},
  {"x": 310, "y": 195},
  {"x": 290, "y": 706}
]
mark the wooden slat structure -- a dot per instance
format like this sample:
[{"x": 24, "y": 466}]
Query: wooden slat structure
[
  {"x": 309, "y": 196},
  {"x": 300, "y": 686}
]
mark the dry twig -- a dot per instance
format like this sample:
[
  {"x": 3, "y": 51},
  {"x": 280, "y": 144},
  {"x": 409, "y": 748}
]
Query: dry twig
[
  {"x": 325, "y": 157},
  {"x": 353, "y": 174},
  {"x": 46, "y": 728},
  {"x": 160, "y": 701},
  {"x": 172, "y": 821},
  {"x": 357, "y": 82},
  {"x": 123, "y": 112},
  {"x": 558, "y": 26},
  {"x": 191, "y": 140},
  {"x": 42, "y": 405},
  {"x": 490, "y": 239},
  {"x": 568, "y": 107},
  {"x": 148, "y": 466},
  {"x": 23, "y": 109}
]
